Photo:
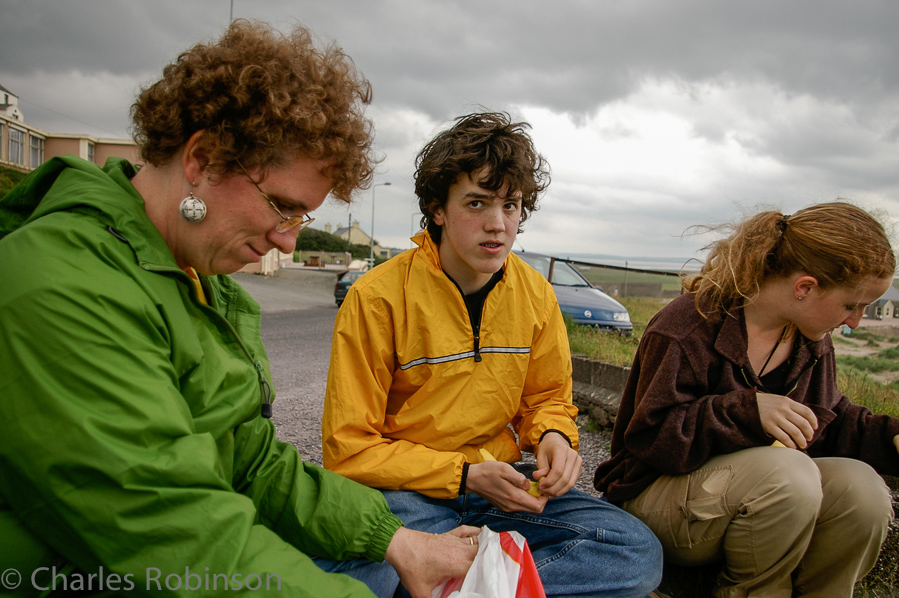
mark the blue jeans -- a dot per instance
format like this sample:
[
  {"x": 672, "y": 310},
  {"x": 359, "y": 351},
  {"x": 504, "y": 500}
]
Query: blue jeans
[{"x": 582, "y": 545}]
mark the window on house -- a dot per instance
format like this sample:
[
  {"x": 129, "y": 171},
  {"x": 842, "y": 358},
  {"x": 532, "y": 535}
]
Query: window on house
[
  {"x": 90, "y": 152},
  {"x": 37, "y": 152},
  {"x": 16, "y": 146}
]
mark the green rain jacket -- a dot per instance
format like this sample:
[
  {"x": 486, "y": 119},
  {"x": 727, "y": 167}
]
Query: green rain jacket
[{"x": 132, "y": 451}]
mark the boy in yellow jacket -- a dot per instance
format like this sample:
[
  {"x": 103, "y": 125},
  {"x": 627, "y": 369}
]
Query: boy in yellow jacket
[{"x": 457, "y": 346}]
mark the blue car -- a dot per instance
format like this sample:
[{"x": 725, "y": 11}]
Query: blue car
[
  {"x": 577, "y": 298},
  {"x": 344, "y": 281}
]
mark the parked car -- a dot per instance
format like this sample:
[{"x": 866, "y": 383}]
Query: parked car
[
  {"x": 583, "y": 302},
  {"x": 344, "y": 281}
]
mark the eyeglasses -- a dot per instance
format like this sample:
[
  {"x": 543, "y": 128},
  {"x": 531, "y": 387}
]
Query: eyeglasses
[{"x": 287, "y": 222}]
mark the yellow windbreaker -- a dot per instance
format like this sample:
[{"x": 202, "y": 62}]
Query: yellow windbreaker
[{"x": 413, "y": 393}]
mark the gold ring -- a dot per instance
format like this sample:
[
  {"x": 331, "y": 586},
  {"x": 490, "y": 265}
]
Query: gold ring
[{"x": 471, "y": 540}]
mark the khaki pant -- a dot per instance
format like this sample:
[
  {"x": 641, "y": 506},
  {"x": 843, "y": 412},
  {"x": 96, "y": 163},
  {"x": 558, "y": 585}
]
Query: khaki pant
[{"x": 784, "y": 524}]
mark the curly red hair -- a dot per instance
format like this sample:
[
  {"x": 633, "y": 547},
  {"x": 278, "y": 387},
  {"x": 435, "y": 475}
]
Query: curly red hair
[{"x": 261, "y": 98}]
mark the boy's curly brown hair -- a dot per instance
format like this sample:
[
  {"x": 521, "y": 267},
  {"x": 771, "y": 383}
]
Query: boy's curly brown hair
[
  {"x": 478, "y": 140},
  {"x": 261, "y": 98}
]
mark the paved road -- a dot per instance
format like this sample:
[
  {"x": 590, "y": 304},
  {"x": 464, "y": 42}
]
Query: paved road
[
  {"x": 291, "y": 289},
  {"x": 298, "y": 313},
  {"x": 299, "y": 346}
]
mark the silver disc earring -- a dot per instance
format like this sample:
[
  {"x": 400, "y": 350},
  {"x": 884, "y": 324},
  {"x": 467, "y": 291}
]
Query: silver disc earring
[{"x": 193, "y": 209}]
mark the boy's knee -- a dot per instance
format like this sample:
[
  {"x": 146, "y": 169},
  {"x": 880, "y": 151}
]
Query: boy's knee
[
  {"x": 654, "y": 563},
  {"x": 648, "y": 559}
]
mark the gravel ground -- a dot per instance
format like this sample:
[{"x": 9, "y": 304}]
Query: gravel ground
[
  {"x": 297, "y": 321},
  {"x": 594, "y": 450}
]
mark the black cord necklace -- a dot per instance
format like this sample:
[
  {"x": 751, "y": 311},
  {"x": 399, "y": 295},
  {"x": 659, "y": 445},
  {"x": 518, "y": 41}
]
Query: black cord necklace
[{"x": 783, "y": 333}]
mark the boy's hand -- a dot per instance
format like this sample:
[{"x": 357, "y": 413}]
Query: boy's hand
[
  {"x": 503, "y": 487},
  {"x": 559, "y": 465}
]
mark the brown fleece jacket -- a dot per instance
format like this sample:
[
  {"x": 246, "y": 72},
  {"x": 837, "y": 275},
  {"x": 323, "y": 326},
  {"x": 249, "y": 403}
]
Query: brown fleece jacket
[{"x": 691, "y": 396}]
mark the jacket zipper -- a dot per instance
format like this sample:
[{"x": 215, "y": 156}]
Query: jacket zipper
[
  {"x": 477, "y": 339},
  {"x": 265, "y": 388},
  {"x": 476, "y": 330}
]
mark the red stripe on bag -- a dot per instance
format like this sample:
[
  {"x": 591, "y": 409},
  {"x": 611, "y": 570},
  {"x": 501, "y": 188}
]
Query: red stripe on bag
[
  {"x": 529, "y": 584},
  {"x": 451, "y": 586}
]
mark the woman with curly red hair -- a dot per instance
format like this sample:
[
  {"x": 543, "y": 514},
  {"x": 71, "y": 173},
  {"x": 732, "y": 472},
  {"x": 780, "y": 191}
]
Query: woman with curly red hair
[{"x": 136, "y": 449}]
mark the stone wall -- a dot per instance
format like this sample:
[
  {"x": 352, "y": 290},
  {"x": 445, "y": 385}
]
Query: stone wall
[{"x": 598, "y": 387}]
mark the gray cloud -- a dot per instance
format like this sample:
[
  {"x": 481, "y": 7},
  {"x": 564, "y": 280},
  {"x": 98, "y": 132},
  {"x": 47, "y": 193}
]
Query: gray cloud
[{"x": 789, "y": 102}]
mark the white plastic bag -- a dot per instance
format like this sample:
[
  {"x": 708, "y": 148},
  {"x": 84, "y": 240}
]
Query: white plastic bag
[{"x": 503, "y": 568}]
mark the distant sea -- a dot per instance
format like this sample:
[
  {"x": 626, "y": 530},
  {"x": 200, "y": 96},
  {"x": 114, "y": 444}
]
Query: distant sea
[{"x": 665, "y": 264}]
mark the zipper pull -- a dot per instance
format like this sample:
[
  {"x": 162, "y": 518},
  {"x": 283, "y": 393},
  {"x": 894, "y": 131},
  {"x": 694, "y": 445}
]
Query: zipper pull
[
  {"x": 266, "y": 389},
  {"x": 802, "y": 373},
  {"x": 477, "y": 349}
]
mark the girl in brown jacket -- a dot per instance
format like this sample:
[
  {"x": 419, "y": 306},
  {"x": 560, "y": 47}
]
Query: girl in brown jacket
[{"x": 733, "y": 441}]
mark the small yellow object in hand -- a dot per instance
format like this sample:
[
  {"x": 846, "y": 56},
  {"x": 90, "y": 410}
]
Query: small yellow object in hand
[
  {"x": 485, "y": 455},
  {"x": 534, "y": 490},
  {"x": 778, "y": 443}
]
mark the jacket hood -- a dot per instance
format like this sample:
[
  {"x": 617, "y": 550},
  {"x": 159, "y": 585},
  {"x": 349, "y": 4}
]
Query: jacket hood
[{"x": 68, "y": 183}]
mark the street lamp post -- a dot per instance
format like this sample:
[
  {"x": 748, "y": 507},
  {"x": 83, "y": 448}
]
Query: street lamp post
[
  {"x": 349, "y": 246},
  {"x": 412, "y": 225},
  {"x": 371, "y": 244}
]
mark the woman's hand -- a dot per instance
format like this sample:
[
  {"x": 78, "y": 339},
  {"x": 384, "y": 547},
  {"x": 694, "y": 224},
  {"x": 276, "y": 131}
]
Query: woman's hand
[
  {"x": 792, "y": 423},
  {"x": 424, "y": 561},
  {"x": 559, "y": 465},
  {"x": 502, "y": 486}
]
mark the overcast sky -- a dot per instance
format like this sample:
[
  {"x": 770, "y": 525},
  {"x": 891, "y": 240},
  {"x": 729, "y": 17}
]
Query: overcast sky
[{"x": 654, "y": 115}]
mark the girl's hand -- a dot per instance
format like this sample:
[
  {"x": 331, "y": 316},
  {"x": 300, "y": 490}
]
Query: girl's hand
[{"x": 792, "y": 423}]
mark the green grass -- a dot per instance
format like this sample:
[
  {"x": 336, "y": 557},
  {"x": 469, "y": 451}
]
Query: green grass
[
  {"x": 863, "y": 390},
  {"x": 8, "y": 179},
  {"x": 869, "y": 364},
  {"x": 610, "y": 346},
  {"x": 598, "y": 344},
  {"x": 602, "y": 276},
  {"x": 866, "y": 335}
]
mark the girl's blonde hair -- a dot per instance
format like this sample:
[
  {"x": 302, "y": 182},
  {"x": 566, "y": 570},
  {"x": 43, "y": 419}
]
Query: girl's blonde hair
[{"x": 837, "y": 243}]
